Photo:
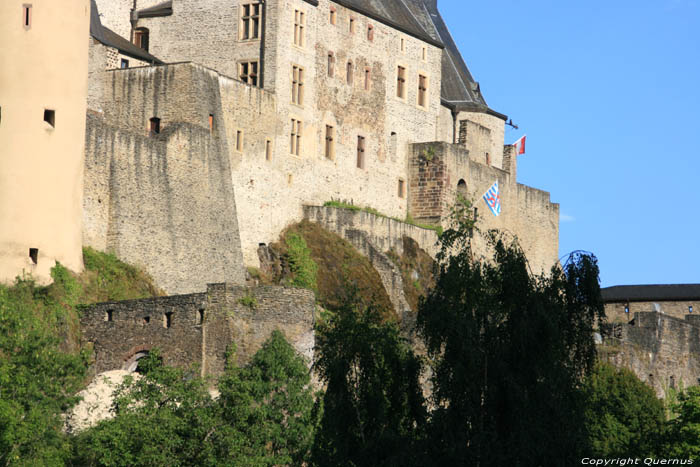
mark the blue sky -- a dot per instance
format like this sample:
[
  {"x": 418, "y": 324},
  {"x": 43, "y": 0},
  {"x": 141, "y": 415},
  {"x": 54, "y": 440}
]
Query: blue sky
[{"x": 608, "y": 95}]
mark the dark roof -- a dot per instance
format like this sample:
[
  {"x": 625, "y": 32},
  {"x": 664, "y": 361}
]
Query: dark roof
[
  {"x": 651, "y": 293},
  {"x": 459, "y": 89},
  {"x": 394, "y": 13},
  {"x": 162, "y": 9},
  {"x": 111, "y": 39}
]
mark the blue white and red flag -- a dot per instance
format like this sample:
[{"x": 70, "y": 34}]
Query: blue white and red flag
[{"x": 493, "y": 199}]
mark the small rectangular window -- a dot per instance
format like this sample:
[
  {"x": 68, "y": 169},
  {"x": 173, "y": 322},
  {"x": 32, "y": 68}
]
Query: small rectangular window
[
  {"x": 125, "y": 63},
  {"x": 299, "y": 25},
  {"x": 146, "y": 320},
  {"x": 690, "y": 309},
  {"x": 348, "y": 73},
  {"x": 200, "y": 317},
  {"x": 331, "y": 64},
  {"x": 330, "y": 143},
  {"x": 27, "y": 16},
  {"x": 401, "y": 83},
  {"x": 351, "y": 25},
  {"x": 50, "y": 117},
  {"x": 424, "y": 54},
  {"x": 297, "y": 85},
  {"x": 334, "y": 16},
  {"x": 34, "y": 255},
  {"x": 402, "y": 188},
  {"x": 109, "y": 315},
  {"x": 627, "y": 308},
  {"x": 248, "y": 72},
  {"x": 295, "y": 137},
  {"x": 250, "y": 21},
  {"x": 422, "y": 90},
  {"x": 360, "y": 152},
  {"x": 239, "y": 140},
  {"x": 403, "y": 44},
  {"x": 154, "y": 127},
  {"x": 370, "y": 32},
  {"x": 268, "y": 150},
  {"x": 211, "y": 123},
  {"x": 167, "y": 320},
  {"x": 141, "y": 38},
  {"x": 368, "y": 78}
]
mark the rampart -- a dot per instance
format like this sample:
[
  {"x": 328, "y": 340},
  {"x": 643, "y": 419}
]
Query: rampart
[
  {"x": 198, "y": 328},
  {"x": 662, "y": 350}
]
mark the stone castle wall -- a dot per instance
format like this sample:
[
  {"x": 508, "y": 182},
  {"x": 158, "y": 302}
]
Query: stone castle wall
[
  {"x": 662, "y": 350},
  {"x": 198, "y": 328},
  {"x": 615, "y": 311}
]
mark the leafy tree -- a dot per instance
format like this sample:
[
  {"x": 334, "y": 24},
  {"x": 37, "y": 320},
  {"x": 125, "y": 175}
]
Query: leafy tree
[
  {"x": 373, "y": 407},
  {"x": 683, "y": 435},
  {"x": 508, "y": 352},
  {"x": 268, "y": 408},
  {"x": 37, "y": 379},
  {"x": 623, "y": 416}
]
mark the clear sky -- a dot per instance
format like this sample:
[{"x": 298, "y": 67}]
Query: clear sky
[{"x": 607, "y": 92}]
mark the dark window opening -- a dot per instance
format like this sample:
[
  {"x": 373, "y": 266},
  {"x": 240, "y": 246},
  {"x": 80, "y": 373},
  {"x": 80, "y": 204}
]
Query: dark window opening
[
  {"x": 370, "y": 32},
  {"x": 50, "y": 117},
  {"x": 211, "y": 123},
  {"x": 690, "y": 309},
  {"x": 402, "y": 189},
  {"x": 141, "y": 38},
  {"x": 27, "y": 16},
  {"x": 268, "y": 150},
  {"x": 330, "y": 133},
  {"x": 167, "y": 320},
  {"x": 108, "y": 315},
  {"x": 125, "y": 63},
  {"x": 462, "y": 189},
  {"x": 401, "y": 83},
  {"x": 360, "y": 152},
  {"x": 627, "y": 308},
  {"x": 146, "y": 320},
  {"x": 673, "y": 382},
  {"x": 200, "y": 316},
  {"x": 248, "y": 72},
  {"x": 34, "y": 255},
  {"x": 331, "y": 64},
  {"x": 239, "y": 140},
  {"x": 422, "y": 90},
  {"x": 348, "y": 73},
  {"x": 250, "y": 21},
  {"x": 155, "y": 125},
  {"x": 368, "y": 79}
]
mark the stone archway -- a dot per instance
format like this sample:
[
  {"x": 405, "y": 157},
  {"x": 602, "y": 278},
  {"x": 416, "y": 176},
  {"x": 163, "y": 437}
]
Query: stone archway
[{"x": 462, "y": 189}]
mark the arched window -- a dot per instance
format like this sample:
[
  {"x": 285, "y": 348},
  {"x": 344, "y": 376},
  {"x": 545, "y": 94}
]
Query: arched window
[
  {"x": 141, "y": 38},
  {"x": 462, "y": 189}
]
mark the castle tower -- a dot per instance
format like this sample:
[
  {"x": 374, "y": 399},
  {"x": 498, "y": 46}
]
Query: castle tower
[{"x": 43, "y": 94}]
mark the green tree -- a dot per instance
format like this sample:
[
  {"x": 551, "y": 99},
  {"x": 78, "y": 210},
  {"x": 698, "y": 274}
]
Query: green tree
[
  {"x": 37, "y": 379},
  {"x": 373, "y": 407},
  {"x": 683, "y": 433},
  {"x": 508, "y": 352},
  {"x": 623, "y": 416}
]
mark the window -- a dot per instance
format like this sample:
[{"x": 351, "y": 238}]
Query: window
[
  {"x": 250, "y": 21},
  {"x": 348, "y": 73},
  {"x": 146, "y": 320},
  {"x": 627, "y": 308},
  {"x": 402, "y": 188},
  {"x": 34, "y": 255},
  {"x": 125, "y": 63},
  {"x": 109, "y": 315},
  {"x": 268, "y": 150},
  {"x": 211, "y": 123},
  {"x": 154, "y": 127},
  {"x": 422, "y": 90},
  {"x": 424, "y": 54},
  {"x": 401, "y": 83},
  {"x": 403, "y": 45},
  {"x": 299, "y": 23},
  {"x": 167, "y": 320},
  {"x": 370, "y": 32},
  {"x": 488, "y": 159},
  {"x": 368, "y": 78},
  {"x": 331, "y": 64},
  {"x": 351, "y": 25},
  {"x": 360, "y": 152},
  {"x": 200, "y": 317},
  {"x": 297, "y": 85},
  {"x": 50, "y": 117},
  {"x": 27, "y": 16},
  {"x": 330, "y": 146},
  {"x": 141, "y": 36},
  {"x": 334, "y": 16},
  {"x": 239, "y": 140},
  {"x": 295, "y": 137},
  {"x": 690, "y": 309},
  {"x": 248, "y": 72}
]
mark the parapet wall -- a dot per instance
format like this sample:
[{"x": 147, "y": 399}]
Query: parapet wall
[
  {"x": 662, "y": 350},
  {"x": 199, "y": 328}
]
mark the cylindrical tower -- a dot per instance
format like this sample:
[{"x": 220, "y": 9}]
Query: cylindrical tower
[{"x": 43, "y": 95}]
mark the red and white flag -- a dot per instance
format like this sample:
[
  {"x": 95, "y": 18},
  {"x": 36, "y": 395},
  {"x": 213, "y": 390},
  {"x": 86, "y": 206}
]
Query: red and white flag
[{"x": 520, "y": 146}]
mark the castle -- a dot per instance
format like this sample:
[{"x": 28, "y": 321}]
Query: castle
[{"x": 183, "y": 135}]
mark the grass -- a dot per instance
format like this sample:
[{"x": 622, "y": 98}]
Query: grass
[
  {"x": 407, "y": 220},
  {"x": 248, "y": 301}
]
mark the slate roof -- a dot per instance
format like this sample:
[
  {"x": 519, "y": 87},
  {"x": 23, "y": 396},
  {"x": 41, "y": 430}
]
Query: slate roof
[
  {"x": 111, "y": 39},
  {"x": 651, "y": 293},
  {"x": 162, "y": 9}
]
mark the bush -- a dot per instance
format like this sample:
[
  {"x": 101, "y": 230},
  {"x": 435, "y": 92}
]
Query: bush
[{"x": 304, "y": 269}]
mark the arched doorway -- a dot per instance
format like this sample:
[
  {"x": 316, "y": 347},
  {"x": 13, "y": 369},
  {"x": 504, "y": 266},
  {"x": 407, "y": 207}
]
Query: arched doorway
[{"x": 132, "y": 364}]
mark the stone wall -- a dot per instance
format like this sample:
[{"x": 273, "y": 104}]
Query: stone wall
[
  {"x": 615, "y": 311},
  {"x": 198, "y": 328},
  {"x": 661, "y": 350}
]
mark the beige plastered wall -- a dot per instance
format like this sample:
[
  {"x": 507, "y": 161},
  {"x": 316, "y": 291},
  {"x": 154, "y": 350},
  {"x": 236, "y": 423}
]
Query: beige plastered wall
[{"x": 43, "y": 66}]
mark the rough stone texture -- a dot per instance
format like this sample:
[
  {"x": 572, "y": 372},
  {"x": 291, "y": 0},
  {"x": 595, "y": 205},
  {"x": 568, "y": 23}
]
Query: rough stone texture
[
  {"x": 164, "y": 202},
  {"x": 661, "y": 350},
  {"x": 527, "y": 214},
  {"x": 615, "y": 311},
  {"x": 231, "y": 314}
]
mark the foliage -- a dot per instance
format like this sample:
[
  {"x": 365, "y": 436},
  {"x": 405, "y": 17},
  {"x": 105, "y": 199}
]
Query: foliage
[
  {"x": 373, "y": 406},
  {"x": 107, "y": 278},
  {"x": 249, "y": 301},
  {"x": 37, "y": 379},
  {"x": 509, "y": 352},
  {"x": 408, "y": 219},
  {"x": 263, "y": 417},
  {"x": 623, "y": 416},
  {"x": 304, "y": 269},
  {"x": 683, "y": 435}
]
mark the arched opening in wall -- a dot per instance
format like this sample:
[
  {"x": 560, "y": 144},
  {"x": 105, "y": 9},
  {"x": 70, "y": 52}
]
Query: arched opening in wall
[
  {"x": 132, "y": 364},
  {"x": 141, "y": 38},
  {"x": 462, "y": 189}
]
